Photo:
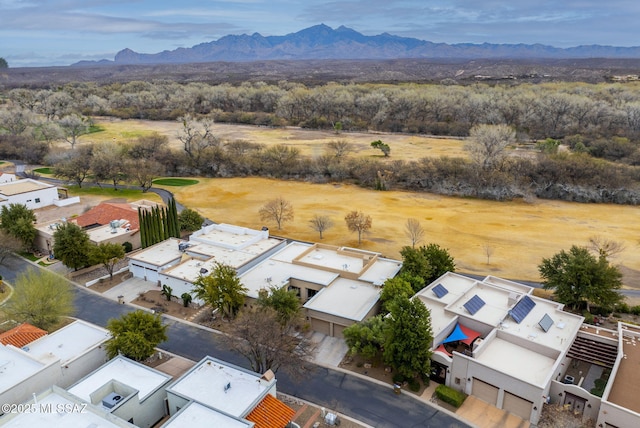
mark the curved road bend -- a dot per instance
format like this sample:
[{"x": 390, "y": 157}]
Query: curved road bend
[{"x": 345, "y": 393}]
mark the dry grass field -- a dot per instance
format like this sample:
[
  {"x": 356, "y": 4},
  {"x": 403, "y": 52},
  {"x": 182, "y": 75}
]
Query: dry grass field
[
  {"x": 309, "y": 142},
  {"x": 518, "y": 234}
]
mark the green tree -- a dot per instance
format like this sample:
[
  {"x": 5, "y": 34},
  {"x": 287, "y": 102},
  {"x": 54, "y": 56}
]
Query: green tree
[
  {"x": 383, "y": 147},
  {"x": 366, "y": 338},
  {"x": 108, "y": 254},
  {"x": 408, "y": 337},
  {"x": 392, "y": 288},
  {"x": 415, "y": 267},
  {"x": 440, "y": 261},
  {"x": 423, "y": 265},
  {"x": 8, "y": 245},
  {"x": 40, "y": 298},
  {"x": 72, "y": 245},
  {"x": 284, "y": 302},
  {"x": 135, "y": 335},
  {"x": 18, "y": 221},
  {"x": 190, "y": 220},
  {"x": 221, "y": 289},
  {"x": 578, "y": 278},
  {"x": 4, "y": 63}
]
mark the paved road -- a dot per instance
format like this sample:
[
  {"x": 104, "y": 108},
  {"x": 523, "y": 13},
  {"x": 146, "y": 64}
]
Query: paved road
[{"x": 351, "y": 395}]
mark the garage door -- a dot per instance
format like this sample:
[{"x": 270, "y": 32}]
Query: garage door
[
  {"x": 320, "y": 326},
  {"x": 485, "y": 391},
  {"x": 137, "y": 271},
  {"x": 517, "y": 405},
  {"x": 337, "y": 331}
]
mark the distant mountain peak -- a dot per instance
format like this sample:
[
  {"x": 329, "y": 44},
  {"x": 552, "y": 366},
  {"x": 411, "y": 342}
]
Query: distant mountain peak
[{"x": 323, "y": 42}]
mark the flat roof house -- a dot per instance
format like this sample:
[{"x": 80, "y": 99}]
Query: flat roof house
[
  {"x": 59, "y": 358},
  {"x": 34, "y": 194},
  {"x": 493, "y": 339},
  {"x": 55, "y": 407},
  {"x": 21, "y": 374},
  {"x": 242, "y": 397},
  {"x": 78, "y": 348},
  {"x": 338, "y": 286},
  {"x": 179, "y": 263},
  {"x": 127, "y": 389}
]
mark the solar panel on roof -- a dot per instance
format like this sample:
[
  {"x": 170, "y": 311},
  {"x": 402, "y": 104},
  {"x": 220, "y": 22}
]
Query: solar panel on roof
[
  {"x": 439, "y": 291},
  {"x": 474, "y": 304},
  {"x": 546, "y": 322},
  {"x": 522, "y": 309}
]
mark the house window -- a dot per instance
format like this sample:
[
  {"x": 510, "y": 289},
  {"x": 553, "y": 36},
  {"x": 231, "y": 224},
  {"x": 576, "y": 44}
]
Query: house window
[
  {"x": 457, "y": 381},
  {"x": 311, "y": 293},
  {"x": 37, "y": 200}
]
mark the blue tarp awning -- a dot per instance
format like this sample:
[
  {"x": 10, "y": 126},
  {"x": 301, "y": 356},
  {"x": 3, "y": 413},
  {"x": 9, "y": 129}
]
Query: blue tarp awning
[{"x": 456, "y": 335}]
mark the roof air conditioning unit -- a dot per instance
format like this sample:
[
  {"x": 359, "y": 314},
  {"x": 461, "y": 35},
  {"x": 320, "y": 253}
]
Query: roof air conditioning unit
[{"x": 111, "y": 400}]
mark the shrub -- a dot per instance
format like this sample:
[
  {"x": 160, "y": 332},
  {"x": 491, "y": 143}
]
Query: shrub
[
  {"x": 450, "y": 395},
  {"x": 588, "y": 317},
  {"x": 398, "y": 378},
  {"x": 623, "y": 308},
  {"x": 128, "y": 247},
  {"x": 635, "y": 310},
  {"x": 414, "y": 385}
]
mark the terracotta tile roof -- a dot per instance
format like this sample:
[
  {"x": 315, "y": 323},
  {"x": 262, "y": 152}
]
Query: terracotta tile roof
[
  {"x": 21, "y": 335},
  {"x": 105, "y": 212},
  {"x": 271, "y": 413}
]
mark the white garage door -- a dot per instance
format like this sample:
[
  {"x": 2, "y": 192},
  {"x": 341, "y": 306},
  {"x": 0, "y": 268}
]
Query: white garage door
[
  {"x": 517, "y": 405},
  {"x": 485, "y": 391},
  {"x": 137, "y": 271},
  {"x": 320, "y": 326}
]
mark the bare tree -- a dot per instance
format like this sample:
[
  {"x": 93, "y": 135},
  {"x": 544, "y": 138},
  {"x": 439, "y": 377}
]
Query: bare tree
[
  {"x": 414, "y": 231},
  {"x": 320, "y": 223},
  {"x": 488, "y": 251},
  {"x": 259, "y": 336},
  {"x": 357, "y": 221},
  {"x": 339, "y": 148},
  {"x": 488, "y": 143},
  {"x": 279, "y": 210},
  {"x": 73, "y": 126},
  {"x": 196, "y": 137},
  {"x": 605, "y": 247},
  {"x": 143, "y": 172}
]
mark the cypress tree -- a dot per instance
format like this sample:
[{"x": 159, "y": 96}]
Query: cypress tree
[
  {"x": 165, "y": 224},
  {"x": 141, "y": 229}
]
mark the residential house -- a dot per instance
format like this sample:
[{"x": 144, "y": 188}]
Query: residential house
[
  {"x": 241, "y": 397},
  {"x": 126, "y": 389},
  {"x": 55, "y": 407}
]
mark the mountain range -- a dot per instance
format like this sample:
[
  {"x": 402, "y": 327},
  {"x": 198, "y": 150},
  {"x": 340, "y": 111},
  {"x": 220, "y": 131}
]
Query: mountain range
[{"x": 324, "y": 42}]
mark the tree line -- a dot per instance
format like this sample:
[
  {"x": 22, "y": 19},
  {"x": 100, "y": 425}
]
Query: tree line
[
  {"x": 554, "y": 110},
  {"x": 587, "y": 135}
]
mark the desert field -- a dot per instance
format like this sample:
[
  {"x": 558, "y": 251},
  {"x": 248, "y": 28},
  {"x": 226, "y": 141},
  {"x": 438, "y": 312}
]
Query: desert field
[
  {"x": 518, "y": 234},
  {"x": 308, "y": 142}
]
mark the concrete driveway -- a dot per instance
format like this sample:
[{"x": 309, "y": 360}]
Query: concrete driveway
[{"x": 129, "y": 289}]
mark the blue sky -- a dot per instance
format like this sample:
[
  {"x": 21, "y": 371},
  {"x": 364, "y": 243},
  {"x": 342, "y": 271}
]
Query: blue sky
[{"x": 61, "y": 32}]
